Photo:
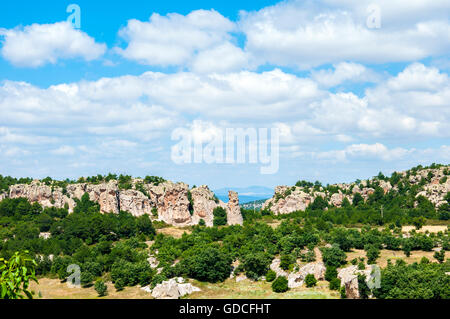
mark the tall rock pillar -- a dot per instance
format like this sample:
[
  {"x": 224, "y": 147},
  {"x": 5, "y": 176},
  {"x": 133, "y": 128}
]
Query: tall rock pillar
[{"x": 234, "y": 216}]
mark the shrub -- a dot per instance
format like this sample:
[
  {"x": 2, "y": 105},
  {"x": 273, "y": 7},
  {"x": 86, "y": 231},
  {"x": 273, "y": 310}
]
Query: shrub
[
  {"x": 310, "y": 280},
  {"x": 119, "y": 284},
  {"x": 333, "y": 256},
  {"x": 372, "y": 253},
  {"x": 439, "y": 256},
  {"x": 330, "y": 273},
  {"x": 271, "y": 275},
  {"x": 285, "y": 261},
  {"x": 256, "y": 264},
  {"x": 335, "y": 284},
  {"x": 207, "y": 264},
  {"x": 201, "y": 222},
  {"x": 100, "y": 288},
  {"x": 342, "y": 291},
  {"x": 220, "y": 216},
  {"x": 280, "y": 284},
  {"x": 86, "y": 279}
]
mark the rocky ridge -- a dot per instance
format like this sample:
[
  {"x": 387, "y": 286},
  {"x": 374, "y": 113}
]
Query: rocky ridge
[
  {"x": 174, "y": 203},
  {"x": 434, "y": 184}
]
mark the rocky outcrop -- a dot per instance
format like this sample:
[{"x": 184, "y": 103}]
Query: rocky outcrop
[
  {"x": 349, "y": 279},
  {"x": 275, "y": 266},
  {"x": 234, "y": 216},
  {"x": 204, "y": 204},
  {"x": 172, "y": 289},
  {"x": 288, "y": 199},
  {"x": 296, "y": 279},
  {"x": 171, "y": 200},
  {"x": 173, "y": 205}
]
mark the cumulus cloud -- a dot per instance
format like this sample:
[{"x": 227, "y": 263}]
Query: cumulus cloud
[
  {"x": 343, "y": 72},
  {"x": 40, "y": 44},
  {"x": 307, "y": 34},
  {"x": 201, "y": 39}
]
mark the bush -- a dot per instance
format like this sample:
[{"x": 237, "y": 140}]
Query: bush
[
  {"x": 286, "y": 260},
  {"x": 271, "y": 275},
  {"x": 280, "y": 284},
  {"x": 256, "y": 264},
  {"x": 439, "y": 256},
  {"x": 100, "y": 288},
  {"x": 333, "y": 256},
  {"x": 335, "y": 284},
  {"x": 220, "y": 216},
  {"x": 342, "y": 291},
  {"x": 119, "y": 284},
  {"x": 201, "y": 222},
  {"x": 86, "y": 279},
  {"x": 372, "y": 253},
  {"x": 310, "y": 280},
  {"x": 330, "y": 273},
  {"x": 207, "y": 264}
]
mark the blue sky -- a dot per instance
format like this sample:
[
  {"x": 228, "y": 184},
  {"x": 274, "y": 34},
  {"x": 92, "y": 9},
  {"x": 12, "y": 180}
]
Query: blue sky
[{"x": 350, "y": 97}]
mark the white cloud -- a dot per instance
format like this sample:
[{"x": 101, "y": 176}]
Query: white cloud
[
  {"x": 343, "y": 72},
  {"x": 222, "y": 58},
  {"x": 174, "y": 39},
  {"x": 64, "y": 150},
  {"x": 309, "y": 34},
  {"x": 40, "y": 44}
]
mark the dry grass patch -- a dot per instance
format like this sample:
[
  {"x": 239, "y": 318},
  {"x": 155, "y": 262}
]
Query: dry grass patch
[
  {"x": 247, "y": 289},
  {"x": 173, "y": 231},
  {"x": 393, "y": 255},
  {"x": 429, "y": 228},
  {"x": 54, "y": 289}
]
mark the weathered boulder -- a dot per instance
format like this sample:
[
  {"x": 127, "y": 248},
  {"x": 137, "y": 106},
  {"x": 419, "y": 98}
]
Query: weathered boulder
[
  {"x": 234, "y": 215},
  {"x": 134, "y": 202},
  {"x": 173, "y": 289},
  {"x": 349, "y": 279},
  {"x": 173, "y": 205},
  {"x": 296, "y": 279},
  {"x": 204, "y": 205}
]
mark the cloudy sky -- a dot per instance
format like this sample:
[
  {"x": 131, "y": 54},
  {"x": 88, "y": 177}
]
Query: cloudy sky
[{"x": 353, "y": 87}]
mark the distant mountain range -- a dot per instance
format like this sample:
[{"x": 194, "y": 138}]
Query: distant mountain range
[{"x": 246, "y": 194}]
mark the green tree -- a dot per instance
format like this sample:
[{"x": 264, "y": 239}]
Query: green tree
[
  {"x": 280, "y": 284},
  {"x": 100, "y": 288},
  {"x": 310, "y": 280},
  {"x": 220, "y": 216},
  {"x": 439, "y": 255},
  {"x": 333, "y": 256},
  {"x": 372, "y": 253},
  {"x": 16, "y": 274},
  {"x": 271, "y": 275},
  {"x": 418, "y": 222},
  {"x": 335, "y": 284}
]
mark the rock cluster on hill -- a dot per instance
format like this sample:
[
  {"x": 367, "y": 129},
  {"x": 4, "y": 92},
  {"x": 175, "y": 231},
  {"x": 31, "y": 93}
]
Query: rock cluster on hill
[
  {"x": 174, "y": 202},
  {"x": 288, "y": 199}
]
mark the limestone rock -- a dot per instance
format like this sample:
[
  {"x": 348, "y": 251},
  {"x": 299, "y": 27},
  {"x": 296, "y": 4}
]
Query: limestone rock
[
  {"x": 296, "y": 279},
  {"x": 275, "y": 266},
  {"x": 317, "y": 269},
  {"x": 173, "y": 289},
  {"x": 234, "y": 215},
  {"x": 204, "y": 205}
]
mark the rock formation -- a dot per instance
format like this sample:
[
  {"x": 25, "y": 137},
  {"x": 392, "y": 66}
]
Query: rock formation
[
  {"x": 349, "y": 279},
  {"x": 172, "y": 289},
  {"x": 234, "y": 215},
  {"x": 296, "y": 279},
  {"x": 171, "y": 200},
  {"x": 297, "y": 198}
]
